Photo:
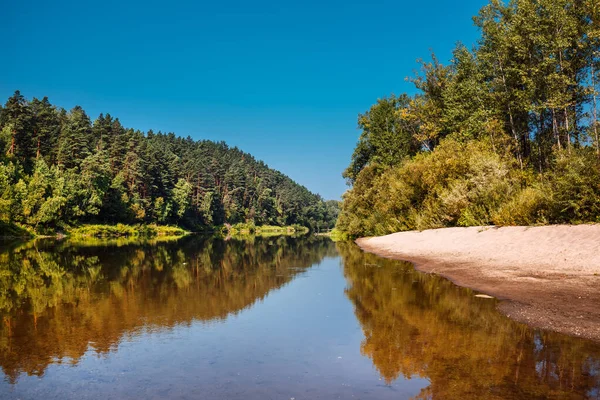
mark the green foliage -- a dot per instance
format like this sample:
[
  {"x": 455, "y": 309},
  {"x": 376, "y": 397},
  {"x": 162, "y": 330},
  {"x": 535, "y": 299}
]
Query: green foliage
[
  {"x": 338, "y": 236},
  {"x": 387, "y": 136},
  {"x": 181, "y": 197},
  {"x": 120, "y": 230},
  {"x": 13, "y": 231},
  {"x": 74, "y": 139},
  {"x": 505, "y": 131},
  {"x": 528, "y": 207},
  {"x": 468, "y": 184},
  {"x": 264, "y": 230},
  {"x": 575, "y": 187},
  {"x": 58, "y": 169}
]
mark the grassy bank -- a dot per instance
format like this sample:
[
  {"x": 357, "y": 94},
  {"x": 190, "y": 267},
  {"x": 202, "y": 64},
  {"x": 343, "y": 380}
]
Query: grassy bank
[
  {"x": 251, "y": 229},
  {"x": 151, "y": 230},
  {"x": 95, "y": 241},
  {"x": 121, "y": 230}
]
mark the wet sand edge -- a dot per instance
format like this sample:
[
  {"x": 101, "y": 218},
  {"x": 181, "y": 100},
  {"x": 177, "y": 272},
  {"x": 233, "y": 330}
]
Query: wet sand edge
[{"x": 569, "y": 306}]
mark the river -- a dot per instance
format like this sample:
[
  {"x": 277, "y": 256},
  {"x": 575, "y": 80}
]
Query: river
[{"x": 262, "y": 318}]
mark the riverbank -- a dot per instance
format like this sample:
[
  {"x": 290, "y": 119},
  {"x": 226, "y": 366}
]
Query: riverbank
[
  {"x": 547, "y": 276},
  {"x": 122, "y": 230},
  {"x": 12, "y": 232},
  {"x": 251, "y": 229}
]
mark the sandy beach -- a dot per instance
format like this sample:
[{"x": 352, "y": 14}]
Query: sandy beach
[{"x": 547, "y": 276}]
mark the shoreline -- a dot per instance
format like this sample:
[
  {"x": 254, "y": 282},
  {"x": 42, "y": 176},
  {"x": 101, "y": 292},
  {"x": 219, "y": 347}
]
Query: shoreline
[
  {"x": 120, "y": 230},
  {"x": 547, "y": 277}
]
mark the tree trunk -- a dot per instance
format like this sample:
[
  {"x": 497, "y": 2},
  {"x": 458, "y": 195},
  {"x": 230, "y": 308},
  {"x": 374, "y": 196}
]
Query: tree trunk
[
  {"x": 567, "y": 127},
  {"x": 510, "y": 116},
  {"x": 595, "y": 108},
  {"x": 555, "y": 129},
  {"x": 540, "y": 140},
  {"x": 11, "y": 150}
]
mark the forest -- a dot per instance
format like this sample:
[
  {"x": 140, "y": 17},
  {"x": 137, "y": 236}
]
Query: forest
[
  {"x": 506, "y": 133},
  {"x": 58, "y": 169}
]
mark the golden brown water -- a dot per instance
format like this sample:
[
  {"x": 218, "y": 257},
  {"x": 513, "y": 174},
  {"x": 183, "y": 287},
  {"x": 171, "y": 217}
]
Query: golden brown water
[{"x": 279, "y": 318}]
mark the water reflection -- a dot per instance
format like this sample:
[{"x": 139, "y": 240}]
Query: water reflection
[
  {"x": 423, "y": 325},
  {"x": 59, "y": 298},
  {"x": 423, "y": 336}
]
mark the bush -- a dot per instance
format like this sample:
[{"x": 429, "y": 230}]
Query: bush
[
  {"x": 470, "y": 184},
  {"x": 528, "y": 207},
  {"x": 575, "y": 187},
  {"x": 458, "y": 184}
]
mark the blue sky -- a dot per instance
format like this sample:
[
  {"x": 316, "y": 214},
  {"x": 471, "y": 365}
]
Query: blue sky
[{"x": 282, "y": 80}]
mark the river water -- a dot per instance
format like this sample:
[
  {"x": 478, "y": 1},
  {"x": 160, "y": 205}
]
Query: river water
[{"x": 262, "y": 318}]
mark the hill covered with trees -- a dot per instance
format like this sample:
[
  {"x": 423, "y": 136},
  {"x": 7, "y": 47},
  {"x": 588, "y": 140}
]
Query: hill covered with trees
[
  {"x": 59, "y": 169},
  {"x": 506, "y": 134}
]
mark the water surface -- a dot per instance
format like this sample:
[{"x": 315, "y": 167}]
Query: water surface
[{"x": 264, "y": 318}]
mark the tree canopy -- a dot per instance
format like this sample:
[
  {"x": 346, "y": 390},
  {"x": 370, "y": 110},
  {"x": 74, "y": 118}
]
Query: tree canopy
[
  {"x": 58, "y": 169},
  {"x": 506, "y": 133}
]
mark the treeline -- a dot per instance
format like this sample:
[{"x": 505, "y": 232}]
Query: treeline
[
  {"x": 506, "y": 134},
  {"x": 59, "y": 169}
]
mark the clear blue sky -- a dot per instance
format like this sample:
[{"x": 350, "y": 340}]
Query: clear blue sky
[{"x": 281, "y": 80}]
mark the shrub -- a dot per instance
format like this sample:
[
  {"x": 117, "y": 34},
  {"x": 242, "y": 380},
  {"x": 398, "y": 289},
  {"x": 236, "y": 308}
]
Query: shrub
[
  {"x": 458, "y": 184},
  {"x": 575, "y": 187}
]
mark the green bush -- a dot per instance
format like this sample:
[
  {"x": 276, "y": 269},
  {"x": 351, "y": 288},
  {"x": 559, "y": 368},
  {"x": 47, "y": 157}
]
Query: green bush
[
  {"x": 528, "y": 207},
  {"x": 458, "y": 184},
  {"x": 470, "y": 184},
  {"x": 121, "y": 230},
  {"x": 575, "y": 187}
]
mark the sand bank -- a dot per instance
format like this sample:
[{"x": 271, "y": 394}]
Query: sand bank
[{"x": 548, "y": 276}]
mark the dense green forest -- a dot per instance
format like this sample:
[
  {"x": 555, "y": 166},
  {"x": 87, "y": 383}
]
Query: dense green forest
[
  {"x": 59, "y": 169},
  {"x": 507, "y": 133}
]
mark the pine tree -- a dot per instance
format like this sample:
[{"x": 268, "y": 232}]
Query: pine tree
[
  {"x": 17, "y": 114},
  {"x": 74, "y": 143},
  {"x": 46, "y": 129}
]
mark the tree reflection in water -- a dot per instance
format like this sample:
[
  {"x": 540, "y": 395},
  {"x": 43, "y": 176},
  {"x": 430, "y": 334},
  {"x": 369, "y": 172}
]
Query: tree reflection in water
[
  {"x": 59, "y": 298},
  {"x": 417, "y": 324}
]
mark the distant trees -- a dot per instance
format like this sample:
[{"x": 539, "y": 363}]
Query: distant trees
[
  {"x": 59, "y": 168},
  {"x": 527, "y": 94}
]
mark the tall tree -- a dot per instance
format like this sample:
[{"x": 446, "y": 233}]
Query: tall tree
[
  {"x": 74, "y": 143},
  {"x": 18, "y": 116},
  {"x": 46, "y": 129},
  {"x": 386, "y": 137}
]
